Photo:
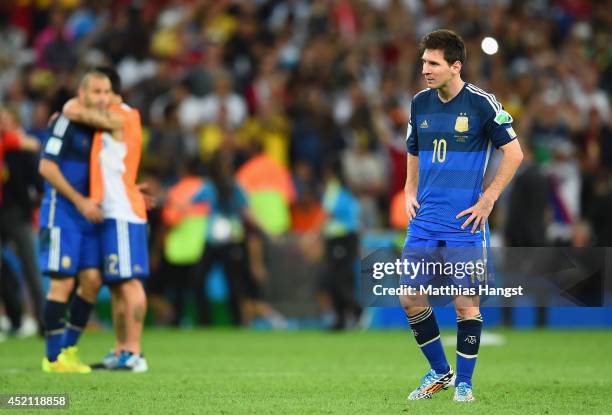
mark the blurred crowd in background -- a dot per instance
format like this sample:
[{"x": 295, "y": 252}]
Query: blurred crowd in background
[{"x": 295, "y": 92}]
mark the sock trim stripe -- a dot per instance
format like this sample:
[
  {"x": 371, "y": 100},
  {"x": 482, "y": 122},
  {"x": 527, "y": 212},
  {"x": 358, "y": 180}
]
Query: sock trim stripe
[
  {"x": 53, "y": 332},
  {"x": 421, "y": 316},
  {"x": 479, "y": 315},
  {"x": 467, "y": 356},
  {"x": 73, "y": 327},
  {"x": 430, "y": 341},
  {"x": 420, "y": 319},
  {"x": 477, "y": 318}
]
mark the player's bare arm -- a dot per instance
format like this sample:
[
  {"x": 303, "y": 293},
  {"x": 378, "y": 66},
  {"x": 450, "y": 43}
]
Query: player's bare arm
[
  {"x": 412, "y": 183},
  {"x": 75, "y": 111},
  {"x": 511, "y": 160},
  {"x": 30, "y": 144},
  {"x": 26, "y": 142},
  {"x": 51, "y": 172}
]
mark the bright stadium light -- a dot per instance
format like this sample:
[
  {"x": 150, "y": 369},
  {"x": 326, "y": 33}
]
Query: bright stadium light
[{"x": 489, "y": 45}]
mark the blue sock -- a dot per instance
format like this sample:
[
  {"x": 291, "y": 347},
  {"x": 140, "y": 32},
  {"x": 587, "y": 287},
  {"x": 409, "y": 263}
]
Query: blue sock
[
  {"x": 427, "y": 334},
  {"x": 79, "y": 316},
  {"x": 53, "y": 317},
  {"x": 468, "y": 342}
]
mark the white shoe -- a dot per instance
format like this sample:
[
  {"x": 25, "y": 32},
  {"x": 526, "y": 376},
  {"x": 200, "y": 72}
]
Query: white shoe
[
  {"x": 132, "y": 363},
  {"x": 463, "y": 393}
]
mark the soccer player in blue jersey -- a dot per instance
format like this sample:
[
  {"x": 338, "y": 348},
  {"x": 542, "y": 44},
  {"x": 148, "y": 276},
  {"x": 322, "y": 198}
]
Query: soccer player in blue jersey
[
  {"x": 123, "y": 240},
  {"x": 453, "y": 128},
  {"x": 69, "y": 242}
]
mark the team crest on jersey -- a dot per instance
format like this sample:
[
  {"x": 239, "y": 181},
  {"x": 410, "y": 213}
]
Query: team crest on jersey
[
  {"x": 66, "y": 261},
  {"x": 137, "y": 268},
  {"x": 462, "y": 123}
]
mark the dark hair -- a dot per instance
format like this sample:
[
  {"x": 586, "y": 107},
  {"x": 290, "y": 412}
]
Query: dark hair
[
  {"x": 446, "y": 40},
  {"x": 112, "y": 75}
]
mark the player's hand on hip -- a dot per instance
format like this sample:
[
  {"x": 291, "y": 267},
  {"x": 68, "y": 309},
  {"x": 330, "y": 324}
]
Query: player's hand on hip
[
  {"x": 90, "y": 209},
  {"x": 411, "y": 205},
  {"x": 478, "y": 214}
]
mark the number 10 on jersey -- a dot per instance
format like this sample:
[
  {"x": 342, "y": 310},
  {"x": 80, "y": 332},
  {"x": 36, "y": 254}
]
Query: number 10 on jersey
[{"x": 439, "y": 151}]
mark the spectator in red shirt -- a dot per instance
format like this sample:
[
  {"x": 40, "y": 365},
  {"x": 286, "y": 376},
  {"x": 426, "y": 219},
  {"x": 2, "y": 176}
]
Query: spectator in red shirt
[
  {"x": 16, "y": 227},
  {"x": 12, "y": 137}
]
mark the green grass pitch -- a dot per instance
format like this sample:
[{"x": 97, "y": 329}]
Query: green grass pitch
[{"x": 250, "y": 372}]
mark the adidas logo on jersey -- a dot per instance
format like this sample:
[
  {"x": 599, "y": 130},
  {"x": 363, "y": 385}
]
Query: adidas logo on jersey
[{"x": 424, "y": 124}]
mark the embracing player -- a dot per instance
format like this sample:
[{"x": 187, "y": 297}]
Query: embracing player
[
  {"x": 69, "y": 220},
  {"x": 115, "y": 156}
]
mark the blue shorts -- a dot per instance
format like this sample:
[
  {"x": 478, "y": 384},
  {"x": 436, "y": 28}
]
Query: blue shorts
[
  {"x": 441, "y": 263},
  {"x": 124, "y": 250},
  {"x": 66, "y": 251}
]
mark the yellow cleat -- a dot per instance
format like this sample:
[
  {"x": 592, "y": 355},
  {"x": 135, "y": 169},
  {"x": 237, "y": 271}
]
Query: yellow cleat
[
  {"x": 54, "y": 367},
  {"x": 70, "y": 359}
]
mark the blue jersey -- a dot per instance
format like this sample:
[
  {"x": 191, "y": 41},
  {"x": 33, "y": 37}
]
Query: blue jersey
[
  {"x": 69, "y": 145},
  {"x": 454, "y": 142}
]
